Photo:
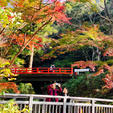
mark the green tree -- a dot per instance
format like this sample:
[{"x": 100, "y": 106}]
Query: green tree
[
  {"x": 86, "y": 86},
  {"x": 33, "y": 12}
]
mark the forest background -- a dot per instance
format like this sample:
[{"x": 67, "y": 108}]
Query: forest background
[{"x": 36, "y": 33}]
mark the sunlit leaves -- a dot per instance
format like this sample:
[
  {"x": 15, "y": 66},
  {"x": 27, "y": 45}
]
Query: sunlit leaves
[
  {"x": 8, "y": 86},
  {"x": 93, "y": 5},
  {"x": 21, "y": 39},
  {"x": 12, "y": 107},
  {"x": 73, "y": 40},
  {"x": 108, "y": 52},
  {"x": 39, "y": 12},
  {"x": 4, "y": 3},
  {"x": 109, "y": 81},
  {"x": 5, "y": 17},
  {"x": 85, "y": 64},
  {"x": 109, "y": 77},
  {"x": 5, "y": 72},
  {"x": 31, "y": 12},
  {"x": 9, "y": 21}
]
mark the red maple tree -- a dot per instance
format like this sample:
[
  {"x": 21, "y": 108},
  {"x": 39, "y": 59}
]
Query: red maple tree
[{"x": 9, "y": 85}]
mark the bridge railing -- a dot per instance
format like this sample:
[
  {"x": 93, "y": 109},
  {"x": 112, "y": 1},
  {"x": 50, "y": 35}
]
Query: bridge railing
[
  {"x": 66, "y": 104},
  {"x": 42, "y": 70}
]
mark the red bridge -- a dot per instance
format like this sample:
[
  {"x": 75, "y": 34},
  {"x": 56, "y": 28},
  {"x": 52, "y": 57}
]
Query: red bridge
[{"x": 42, "y": 70}]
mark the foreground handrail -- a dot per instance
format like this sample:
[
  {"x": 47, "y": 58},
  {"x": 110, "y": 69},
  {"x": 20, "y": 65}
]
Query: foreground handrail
[
  {"x": 39, "y": 104},
  {"x": 50, "y": 96}
]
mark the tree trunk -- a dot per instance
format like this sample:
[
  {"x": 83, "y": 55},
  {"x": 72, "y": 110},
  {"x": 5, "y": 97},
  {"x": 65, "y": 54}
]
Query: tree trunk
[
  {"x": 2, "y": 30},
  {"x": 31, "y": 57},
  {"x": 98, "y": 54},
  {"x": 108, "y": 15},
  {"x": 93, "y": 53},
  {"x": 12, "y": 61}
]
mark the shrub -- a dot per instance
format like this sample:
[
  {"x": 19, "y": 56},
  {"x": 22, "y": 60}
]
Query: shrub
[
  {"x": 26, "y": 88},
  {"x": 12, "y": 107}
]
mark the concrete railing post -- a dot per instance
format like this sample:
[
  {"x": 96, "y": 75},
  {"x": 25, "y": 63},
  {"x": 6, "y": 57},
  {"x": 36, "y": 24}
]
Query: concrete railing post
[
  {"x": 30, "y": 103},
  {"x": 64, "y": 104},
  {"x": 93, "y": 106}
]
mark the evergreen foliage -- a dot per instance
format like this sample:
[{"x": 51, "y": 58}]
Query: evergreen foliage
[{"x": 87, "y": 86}]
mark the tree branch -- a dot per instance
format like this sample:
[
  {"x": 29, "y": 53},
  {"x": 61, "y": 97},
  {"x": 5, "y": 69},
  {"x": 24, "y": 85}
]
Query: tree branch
[
  {"x": 2, "y": 30},
  {"x": 109, "y": 20},
  {"x": 32, "y": 37}
]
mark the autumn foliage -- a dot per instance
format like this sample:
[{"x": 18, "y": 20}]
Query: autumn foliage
[
  {"x": 90, "y": 36},
  {"x": 40, "y": 11},
  {"x": 85, "y": 64},
  {"x": 14, "y": 20},
  {"x": 21, "y": 39},
  {"x": 8, "y": 85},
  {"x": 99, "y": 70},
  {"x": 108, "y": 81}
]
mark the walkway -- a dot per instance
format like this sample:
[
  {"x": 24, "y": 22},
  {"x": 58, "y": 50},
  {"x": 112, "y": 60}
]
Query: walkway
[{"x": 66, "y": 104}]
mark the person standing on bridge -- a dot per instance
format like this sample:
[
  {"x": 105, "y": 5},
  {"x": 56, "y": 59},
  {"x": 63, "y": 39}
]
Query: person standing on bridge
[
  {"x": 52, "y": 90},
  {"x": 52, "y": 67}
]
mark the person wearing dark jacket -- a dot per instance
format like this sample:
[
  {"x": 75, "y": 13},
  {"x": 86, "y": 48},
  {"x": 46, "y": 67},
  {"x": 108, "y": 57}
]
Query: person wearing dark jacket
[{"x": 52, "y": 90}]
